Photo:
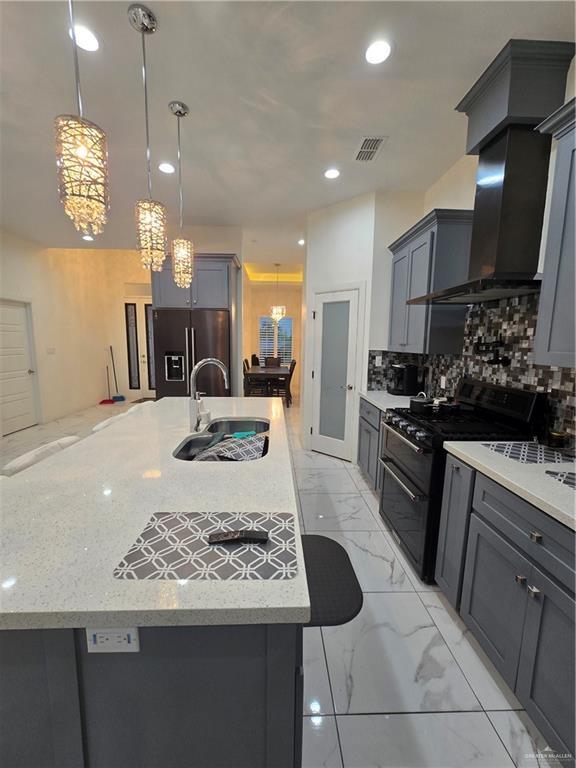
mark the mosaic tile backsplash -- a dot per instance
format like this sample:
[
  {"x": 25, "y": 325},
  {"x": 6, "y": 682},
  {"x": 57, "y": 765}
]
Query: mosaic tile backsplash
[{"x": 512, "y": 320}]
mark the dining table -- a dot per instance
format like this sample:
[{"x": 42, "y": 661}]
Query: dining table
[{"x": 268, "y": 374}]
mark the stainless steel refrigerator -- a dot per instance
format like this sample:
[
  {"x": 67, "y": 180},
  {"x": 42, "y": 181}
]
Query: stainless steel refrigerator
[{"x": 182, "y": 337}]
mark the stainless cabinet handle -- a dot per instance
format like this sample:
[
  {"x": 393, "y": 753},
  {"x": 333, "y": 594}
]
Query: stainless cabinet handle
[
  {"x": 193, "y": 332},
  {"x": 187, "y": 357},
  {"x": 533, "y": 592},
  {"x": 520, "y": 579},
  {"x": 536, "y": 537},
  {"x": 407, "y": 491},
  {"x": 455, "y": 468},
  {"x": 415, "y": 448}
]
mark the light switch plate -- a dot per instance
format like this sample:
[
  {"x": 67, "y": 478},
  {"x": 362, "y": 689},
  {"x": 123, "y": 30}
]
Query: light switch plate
[
  {"x": 442, "y": 382},
  {"x": 378, "y": 361},
  {"x": 117, "y": 640}
]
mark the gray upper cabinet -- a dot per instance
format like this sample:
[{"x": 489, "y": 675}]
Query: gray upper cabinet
[
  {"x": 210, "y": 287},
  {"x": 555, "y": 332},
  {"x": 453, "y": 532},
  {"x": 431, "y": 256}
]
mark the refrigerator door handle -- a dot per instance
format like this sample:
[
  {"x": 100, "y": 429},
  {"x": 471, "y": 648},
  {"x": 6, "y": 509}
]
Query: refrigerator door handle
[
  {"x": 187, "y": 346},
  {"x": 193, "y": 332}
]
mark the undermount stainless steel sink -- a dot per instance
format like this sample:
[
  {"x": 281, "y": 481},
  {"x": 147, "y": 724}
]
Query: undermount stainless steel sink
[
  {"x": 238, "y": 424},
  {"x": 217, "y": 430},
  {"x": 193, "y": 445}
]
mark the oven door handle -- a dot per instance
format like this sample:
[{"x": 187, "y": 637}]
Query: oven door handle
[
  {"x": 415, "y": 448},
  {"x": 394, "y": 476}
]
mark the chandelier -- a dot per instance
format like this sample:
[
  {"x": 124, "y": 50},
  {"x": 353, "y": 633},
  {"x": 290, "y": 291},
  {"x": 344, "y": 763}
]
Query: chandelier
[
  {"x": 150, "y": 214},
  {"x": 82, "y": 161},
  {"x": 182, "y": 249},
  {"x": 277, "y": 312}
]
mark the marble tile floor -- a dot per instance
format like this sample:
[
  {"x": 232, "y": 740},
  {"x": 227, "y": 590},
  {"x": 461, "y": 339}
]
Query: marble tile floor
[
  {"x": 80, "y": 424},
  {"x": 403, "y": 685}
]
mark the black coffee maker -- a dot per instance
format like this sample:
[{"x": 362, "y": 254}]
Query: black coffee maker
[{"x": 405, "y": 379}]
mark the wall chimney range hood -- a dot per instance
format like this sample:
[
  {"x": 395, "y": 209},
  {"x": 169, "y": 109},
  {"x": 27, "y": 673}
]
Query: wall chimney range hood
[{"x": 523, "y": 85}]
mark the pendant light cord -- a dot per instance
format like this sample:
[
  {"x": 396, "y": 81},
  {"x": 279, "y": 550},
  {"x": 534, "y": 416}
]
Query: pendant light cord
[
  {"x": 180, "y": 175},
  {"x": 144, "y": 80},
  {"x": 76, "y": 65}
]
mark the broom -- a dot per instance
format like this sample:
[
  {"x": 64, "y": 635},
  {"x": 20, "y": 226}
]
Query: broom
[
  {"x": 116, "y": 398},
  {"x": 109, "y": 401}
]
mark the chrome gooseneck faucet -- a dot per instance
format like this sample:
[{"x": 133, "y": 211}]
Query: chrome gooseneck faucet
[{"x": 195, "y": 396}]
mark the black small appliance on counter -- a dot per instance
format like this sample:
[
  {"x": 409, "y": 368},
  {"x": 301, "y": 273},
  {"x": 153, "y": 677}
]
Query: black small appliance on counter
[
  {"x": 413, "y": 459},
  {"x": 405, "y": 379}
]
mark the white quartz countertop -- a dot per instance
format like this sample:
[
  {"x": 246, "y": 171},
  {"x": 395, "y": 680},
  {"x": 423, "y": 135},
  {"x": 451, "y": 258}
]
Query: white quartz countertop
[
  {"x": 529, "y": 481},
  {"x": 67, "y": 522},
  {"x": 383, "y": 400}
]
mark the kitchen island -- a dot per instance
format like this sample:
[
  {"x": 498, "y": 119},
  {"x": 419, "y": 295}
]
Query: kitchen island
[{"x": 217, "y": 677}]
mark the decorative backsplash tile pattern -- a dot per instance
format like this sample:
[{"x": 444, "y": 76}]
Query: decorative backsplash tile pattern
[{"x": 514, "y": 320}]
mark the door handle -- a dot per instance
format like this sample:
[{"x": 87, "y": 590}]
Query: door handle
[
  {"x": 30, "y": 370},
  {"x": 187, "y": 357},
  {"x": 407, "y": 491}
]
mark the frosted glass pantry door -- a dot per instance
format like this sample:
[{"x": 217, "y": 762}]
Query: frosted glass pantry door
[{"x": 335, "y": 343}]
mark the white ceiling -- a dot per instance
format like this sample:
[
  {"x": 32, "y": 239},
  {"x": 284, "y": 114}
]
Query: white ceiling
[{"x": 278, "y": 92}]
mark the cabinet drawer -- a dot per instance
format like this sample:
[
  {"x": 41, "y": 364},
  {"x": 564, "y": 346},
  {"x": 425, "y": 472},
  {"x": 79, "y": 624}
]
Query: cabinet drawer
[
  {"x": 546, "y": 541},
  {"x": 370, "y": 413}
]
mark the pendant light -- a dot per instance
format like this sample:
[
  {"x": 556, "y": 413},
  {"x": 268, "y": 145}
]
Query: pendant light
[
  {"x": 82, "y": 160},
  {"x": 277, "y": 312},
  {"x": 182, "y": 249},
  {"x": 150, "y": 214}
]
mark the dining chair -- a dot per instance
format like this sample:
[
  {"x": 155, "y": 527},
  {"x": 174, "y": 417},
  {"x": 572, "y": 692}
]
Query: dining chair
[
  {"x": 282, "y": 385},
  {"x": 38, "y": 454},
  {"x": 272, "y": 362},
  {"x": 255, "y": 361},
  {"x": 246, "y": 365}
]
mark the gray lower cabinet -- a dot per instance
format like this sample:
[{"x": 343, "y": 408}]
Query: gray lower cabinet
[
  {"x": 517, "y": 593},
  {"x": 555, "y": 341},
  {"x": 453, "y": 532},
  {"x": 192, "y": 696},
  {"x": 210, "y": 287},
  {"x": 368, "y": 450},
  {"x": 545, "y": 682},
  {"x": 493, "y": 596},
  {"x": 431, "y": 256}
]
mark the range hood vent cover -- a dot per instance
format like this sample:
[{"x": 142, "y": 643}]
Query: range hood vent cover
[{"x": 369, "y": 148}]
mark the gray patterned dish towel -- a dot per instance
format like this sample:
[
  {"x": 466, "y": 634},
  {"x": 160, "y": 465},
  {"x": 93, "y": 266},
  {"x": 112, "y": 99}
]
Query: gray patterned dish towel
[{"x": 237, "y": 449}]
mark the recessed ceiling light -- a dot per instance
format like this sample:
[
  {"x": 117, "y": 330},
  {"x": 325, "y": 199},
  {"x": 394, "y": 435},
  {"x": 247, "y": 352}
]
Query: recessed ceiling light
[
  {"x": 301, "y": 241},
  {"x": 87, "y": 237},
  {"x": 84, "y": 38},
  {"x": 332, "y": 173},
  {"x": 166, "y": 168},
  {"x": 378, "y": 52}
]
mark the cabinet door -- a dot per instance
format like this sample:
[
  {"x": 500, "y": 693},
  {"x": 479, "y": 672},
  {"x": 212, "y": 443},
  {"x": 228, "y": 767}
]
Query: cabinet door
[
  {"x": 453, "y": 533},
  {"x": 210, "y": 284},
  {"x": 555, "y": 335},
  {"x": 165, "y": 292},
  {"x": 398, "y": 308},
  {"x": 494, "y": 596},
  {"x": 368, "y": 450},
  {"x": 418, "y": 282},
  {"x": 546, "y": 672}
]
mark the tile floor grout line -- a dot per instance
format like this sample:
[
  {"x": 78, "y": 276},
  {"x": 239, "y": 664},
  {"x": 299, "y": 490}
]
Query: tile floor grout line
[
  {"x": 500, "y": 737},
  {"x": 332, "y": 697}
]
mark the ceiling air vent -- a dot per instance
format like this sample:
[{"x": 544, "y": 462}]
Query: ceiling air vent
[{"x": 369, "y": 148}]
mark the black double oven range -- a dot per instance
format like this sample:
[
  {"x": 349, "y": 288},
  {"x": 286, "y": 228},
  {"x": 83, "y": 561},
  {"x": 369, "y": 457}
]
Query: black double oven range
[{"x": 413, "y": 460}]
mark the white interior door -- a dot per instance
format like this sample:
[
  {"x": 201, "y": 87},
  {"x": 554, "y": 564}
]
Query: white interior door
[
  {"x": 18, "y": 402},
  {"x": 140, "y": 348},
  {"x": 335, "y": 343}
]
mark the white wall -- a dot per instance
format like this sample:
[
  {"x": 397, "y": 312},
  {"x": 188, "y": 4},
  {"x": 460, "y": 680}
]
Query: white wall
[
  {"x": 67, "y": 291},
  {"x": 395, "y": 213},
  {"x": 339, "y": 252},
  {"x": 454, "y": 189}
]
